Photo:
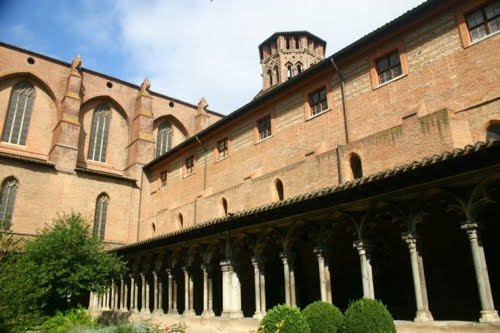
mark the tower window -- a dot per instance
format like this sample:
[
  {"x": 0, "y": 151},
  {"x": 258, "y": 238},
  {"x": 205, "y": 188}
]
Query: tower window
[
  {"x": 493, "y": 132},
  {"x": 389, "y": 67},
  {"x": 289, "y": 71},
  {"x": 318, "y": 102},
  {"x": 7, "y": 200},
  {"x": 264, "y": 127},
  {"x": 101, "y": 213},
  {"x": 484, "y": 21},
  {"x": 19, "y": 113},
  {"x": 99, "y": 133},
  {"x": 164, "y": 138}
]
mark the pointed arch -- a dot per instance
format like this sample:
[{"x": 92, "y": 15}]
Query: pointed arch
[
  {"x": 270, "y": 77},
  {"x": 279, "y": 190},
  {"x": 356, "y": 166},
  {"x": 277, "y": 74},
  {"x": 100, "y": 216},
  {"x": 289, "y": 70},
  {"x": 7, "y": 201},
  {"x": 180, "y": 220},
  {"x": 19, "y": 113},
  {"x": 299, "y": 67}
]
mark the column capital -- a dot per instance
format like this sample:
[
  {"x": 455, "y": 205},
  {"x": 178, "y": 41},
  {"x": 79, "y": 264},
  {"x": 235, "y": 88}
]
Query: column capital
[
  {"x": 471, "y": 229},
  {"x": 287, "y": 256},
  {"x": 258, "y": 261},
  {"x": 321, "y": 251},
  {"x": 410, "y": 239}
]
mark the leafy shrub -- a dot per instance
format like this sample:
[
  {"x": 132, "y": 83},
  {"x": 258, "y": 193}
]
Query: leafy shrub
[
  {"x": 284, "y": 319},
  {"x": 323, "y": 317},
  {"x": 367, "y": 316},
  {"x": 121, "y": 328},
  {"x": 62, "y": 323}
]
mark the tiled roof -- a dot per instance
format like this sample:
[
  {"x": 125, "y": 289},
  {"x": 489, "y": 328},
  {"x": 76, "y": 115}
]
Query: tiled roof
[
  {"x": 27, "y": 159},
  {"x": 492, "y": 146}
]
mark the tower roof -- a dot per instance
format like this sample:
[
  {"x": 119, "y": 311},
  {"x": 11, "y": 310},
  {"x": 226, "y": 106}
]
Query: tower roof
[{"x": 291, "y": 33}]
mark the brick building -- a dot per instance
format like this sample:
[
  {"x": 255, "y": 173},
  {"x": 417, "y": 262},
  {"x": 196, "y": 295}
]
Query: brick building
[{"x": 344, "y": 177}]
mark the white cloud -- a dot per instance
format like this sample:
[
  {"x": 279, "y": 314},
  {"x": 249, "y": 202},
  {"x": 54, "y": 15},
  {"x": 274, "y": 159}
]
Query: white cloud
[{"x": 191, "y": 49}]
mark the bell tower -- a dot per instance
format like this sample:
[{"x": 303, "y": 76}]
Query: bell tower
[{"x": 287, "y": 54}]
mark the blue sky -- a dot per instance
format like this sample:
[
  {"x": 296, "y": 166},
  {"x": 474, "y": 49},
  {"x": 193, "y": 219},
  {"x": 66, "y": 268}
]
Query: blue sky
[{"x": 188, "y": 48}]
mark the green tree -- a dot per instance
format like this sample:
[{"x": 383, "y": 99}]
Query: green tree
[{"x": 56, "y": 270}]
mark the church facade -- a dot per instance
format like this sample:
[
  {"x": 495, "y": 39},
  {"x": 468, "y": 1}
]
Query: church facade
[{"x": 372, "y": 172}]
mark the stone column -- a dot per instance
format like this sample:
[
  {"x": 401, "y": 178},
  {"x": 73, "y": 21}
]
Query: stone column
[
  {"x": 328, "y": 281},
  {"x": 188, "y": 292},
  {"x": 322, "y": 277},
  {"x": 174, "y": 299},
  {"x": 157, "y": 290},
  {"x": 133, "y": 293},
  {"x": 106, "y": 300},
  {"x": 123, "y": 294},
  {"x": 231, "y": 290},
  {"x": 207, "y": 292},
  {"x": 91, "y": 300},
  {"x": 260, "y": 288},
  {"x": 488, "y": 312},
  {"x": 170, "y": 293},
  {"x": 423, "y": 314},
  {"x": 288, "y": 259},
  {"x": 366, "y": 269}
]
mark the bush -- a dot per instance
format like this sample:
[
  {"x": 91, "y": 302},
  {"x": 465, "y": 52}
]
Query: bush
[
  {"x": 367, "y": 316},
  {"x": 62, "y": 323},
  {"x": 323, "y": 317},
  {"x": 284, "y": 319}
]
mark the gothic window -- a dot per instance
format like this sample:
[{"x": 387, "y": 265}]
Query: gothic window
[
  {"x": 493, "y": 132},
  {"x": 99, "y": 133},
  {"x": 299, "y": 68},
  {"x": 19, "y": 113},
  {"x": 270, "y": 78},
  {"x": 101, "y": 212},
  {"x": 356, "y": 166},
  {"x": 279, "y": 189},
  {"x": 318, "y": 102},
  {"x": 389, "y": 67},
  {"x": 277, "y": 74},
  {"x": 164, "y": 138},
  {"x": 484, "y": 21},
  {"x": 289, "y": 71},
  {"x": 7, "y": 200},
  {"x": 264, "y": 127}
]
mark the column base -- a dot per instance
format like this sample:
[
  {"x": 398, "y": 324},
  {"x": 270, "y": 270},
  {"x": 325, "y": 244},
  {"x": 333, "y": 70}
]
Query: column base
[
  {"x": 207, "y": 314},
  {"x": 232, "y": 314},
  {"x": 189, "y": 312},
  {"x": 423, "y": 316},
  {"x": 489, "y": 316},
  {"x": 259, "y": 315},
  {"x": 134, "y": 310},
  {"x": 158, "y": 311},
  {"x": 146, "y": 311},
  {"x": 172, "y": 312}
]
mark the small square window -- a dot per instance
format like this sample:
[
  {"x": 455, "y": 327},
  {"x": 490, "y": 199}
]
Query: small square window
[
  {"x": 483, "y": 21},
  {"x": 189, "y": 165},
  {"x": 264, "y": 127},
  {"x": 318, "y": 102},
  {"x": 389, "y": 67},
  {"x": 163, "y": 179},
  {"x": 222, "y": 149}
]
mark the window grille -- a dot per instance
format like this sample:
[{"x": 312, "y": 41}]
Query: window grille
[
  {"x": 19, "y": 113},
  {"x": 164, "y": 138},
  {"x": 101, "y": 212},
  {"x": 7, "y": 200},
  {"x": 99, "y": 133}
]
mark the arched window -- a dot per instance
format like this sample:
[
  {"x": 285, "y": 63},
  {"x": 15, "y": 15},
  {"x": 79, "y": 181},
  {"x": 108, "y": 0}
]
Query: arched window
[
  {"x": 101, "y": 213},
  {"x": 223, "y": 207},
  {"x": 180, "y": 219},
  {"x": 356, "y": 166},
  {"x": 7, "y": 200},
  {"x": 270, "y": 78},
  {"x": 493, "y": 132},
  {"x": 19, "y": 113},
  {"x": 299, "y": 68},
  {"x": 99, "y": 133},
  {"x": 289, "y": 71},
  {"x": 164, "y": 138},
  {"x": 279, "y": 189},
  {"x": 277, "y": 73}
]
